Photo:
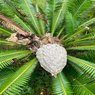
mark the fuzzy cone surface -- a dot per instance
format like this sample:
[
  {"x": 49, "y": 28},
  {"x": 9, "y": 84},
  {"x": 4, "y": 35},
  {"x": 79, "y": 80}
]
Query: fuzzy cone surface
[{"x": 52, "y": 58}]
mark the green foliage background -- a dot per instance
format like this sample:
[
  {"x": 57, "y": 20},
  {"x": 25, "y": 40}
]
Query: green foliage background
[{"x": 73, "y": 22}]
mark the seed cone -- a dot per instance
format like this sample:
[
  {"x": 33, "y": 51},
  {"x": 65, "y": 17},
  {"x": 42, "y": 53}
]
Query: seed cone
[{"x": 52, "y": 57}]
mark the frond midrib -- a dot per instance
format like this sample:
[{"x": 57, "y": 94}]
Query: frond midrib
[
  {"x": 17, "y": 78},
  {"x": 15, "y": 52},
  {"x": 82, "y": 62},
  {"x": 64, "y": 90},
  {"x": 84, "y": 87}
]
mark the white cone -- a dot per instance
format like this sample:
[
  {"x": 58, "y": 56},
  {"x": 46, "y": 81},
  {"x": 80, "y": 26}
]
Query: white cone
[{"x": 52, "y": 57}]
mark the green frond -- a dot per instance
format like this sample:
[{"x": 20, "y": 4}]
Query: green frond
[
  {"x": 89, "y": 47},
  {"x": 6, "y": 58},
  {"x": 87, "y": 23},
  {"x": 42, "y": 26},
  {"x": 56, "y": 9},
  {"x": 81, "y": 40},
  {"x": 41, "y": 21},
  {"x": 88, "y": 55},
  {"x": 27, "y": 3},
  {"x": 5, "y": 73},
  {"x": 82, "y": 86},
  {"x": 81, "y": 29},
  {"x": 6, "y": 42},
  {"x": 14, "y": 14},
  {"x": 15, "y": 83},
  {"x": 86, "y": 66},
  {"x": 4, "y": 31},
  {"x": 81, "y": 83},
  {"x": 61, "y": 12},
  {"x": 70, "y": 37},
  {"x": 24, "y": 11},
  {"x": 61, "y": 86},
  {"x": 5, "y": 9},
  {"x": 24, "y": 24},
  {"x": 83, "y": 6},
  {"x": 78, "y": 7},
  {"x": 70, "y": 23},
  {"x": 50, "y": 12},
  {"x": 63, "y": 37},
  {"x": 41, "y": 4},
  {"x": 59, "y": 33},
  {"x": 88, "y": 42}
]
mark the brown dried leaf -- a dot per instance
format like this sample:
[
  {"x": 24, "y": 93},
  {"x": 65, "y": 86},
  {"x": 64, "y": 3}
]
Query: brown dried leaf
[
  {"x": 48, "y": 38},
  {"x": 12, "y": 25}
]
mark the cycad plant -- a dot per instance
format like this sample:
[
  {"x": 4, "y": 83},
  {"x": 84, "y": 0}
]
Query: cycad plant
[{"x": 52, "y": 33}]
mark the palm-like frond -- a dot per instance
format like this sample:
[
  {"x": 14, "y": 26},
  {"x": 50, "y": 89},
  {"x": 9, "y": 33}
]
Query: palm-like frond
[
  {"x": 60, "y": 32},
  {"x": 81, "y": 83},
  {"x": 4, "y": 42},
  {"x": 90, "y": 47},
  {"x": 41, "y": 21},
  {"x": 75, "y": 34},
  {"x": 6, "y": 58},
  {"x": 88, "y": 55},
  {"x": 32, "y": 17},
  {"x": 87, "y": 23},
  {"x": 77, "y": 7},
  {"x": 41, "y": 4},
  {"x": 4, "y": 31},
  {"x": 81, "y": 89},
  {"x": 23, "y": 24},
  {"x": 51, "y": 10},
  {"x": 20, "y": 9},
  {"x": 61, "y": 86},
  {"x": 53, "y": 16},
  {"x": 86, "y": 66},
  {"x": 83, "y": 39},
  {"x": 70, "y": 23},
  {"x": 14, "y": 84},
  {"x": 5, "y": 9},
  {"x": 69, "y": 20}
]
